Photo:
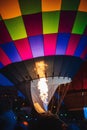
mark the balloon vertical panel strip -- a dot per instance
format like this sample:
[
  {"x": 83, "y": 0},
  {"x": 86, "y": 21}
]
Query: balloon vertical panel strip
[
  {"x": 83, "y": 6},
  {"x": 50, "y": 44},
  {"x": 23, "y": 48},
  {"x": 66, "y": 22},
  {"x": 81, "y": 46},
  {"x": 70, "y": 4},
  {"x": 58, "y": 65},
  {"x": 30, "y": 66},
  {"x": 80, "y": 23},
  {"x": 72, "y": 44},
  {"x": 21, "y": 70},
  {"x": 4, "y": 59},
  {"x": 4, "y": 32},
  {"x": 62, "y": 43},
  {"x": 11, "y": 52},
  {"x": 17, "y": 75},
  {"x": 49, "y": 62},
  {"x": 50, "y": 22},
  {"x": 33, "y": 24},
  {"x": 51, "y": 6},
  {"x": 16, "y": 28},
  {"x": 65, "y": 67},
  {"x": 9, "y": 9},
  {"x": 36, "y": 43},
  {"x": 30, "y": 6}
]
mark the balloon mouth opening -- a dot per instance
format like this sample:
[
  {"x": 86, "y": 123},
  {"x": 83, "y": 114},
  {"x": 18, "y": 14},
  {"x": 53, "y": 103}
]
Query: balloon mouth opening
[{"x": 45, "y": 90}]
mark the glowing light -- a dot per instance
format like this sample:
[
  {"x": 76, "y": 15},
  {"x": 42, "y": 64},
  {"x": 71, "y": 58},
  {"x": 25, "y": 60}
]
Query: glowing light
[
  {"x": 42, "y": 83},
  {"x": 25, "y": 123},
  {"x": 40, "y": 68},
  {"x": 43, "y": 87},
  {"x": 85, "y": 112}
]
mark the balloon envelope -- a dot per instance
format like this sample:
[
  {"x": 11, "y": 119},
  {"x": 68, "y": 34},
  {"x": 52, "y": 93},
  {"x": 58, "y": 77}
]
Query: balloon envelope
[{"x": 54, "y": 33}]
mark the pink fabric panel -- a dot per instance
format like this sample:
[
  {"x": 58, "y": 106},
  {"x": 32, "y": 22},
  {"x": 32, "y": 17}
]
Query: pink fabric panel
[
  {"x": 72, "y": 45},
  {"x": 24, "y": 49},
  {"x": 50, "y": 44},
  {"x": 4, "y": 59},
  {"x": 85, "y": 83}
]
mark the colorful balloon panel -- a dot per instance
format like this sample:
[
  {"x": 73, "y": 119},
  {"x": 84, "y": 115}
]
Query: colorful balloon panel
[
  {"x": 72, "y": 44},
  {"x": 70, "y": 5},
  {"x": 11, "y": 51},
  {"x": 9, "y": 9},
  {"x": 4, "y": 59},
  {"x": 50, "y": 22},
  {"x": 30, "y": 6},
  {"x": 50, "y": 44},
  {"x": 80, "y": 23},
  {"x": 16, "y": 28},
  {"x": 4, "y": 34},
  {"x": 62, "y": 40},
  {"x": 36, "y": 43},
  {"x": 67, "y": 19},
  {"x": 33, "y": 24},
  {"x": 82, "y": 45},
  {"x": 23, "y": 48},
  {"x": 30, "y": 29},
  {"x": 51, "y": 6}
]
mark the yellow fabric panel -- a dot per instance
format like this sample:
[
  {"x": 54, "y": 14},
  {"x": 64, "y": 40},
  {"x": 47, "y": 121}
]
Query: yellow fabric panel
[
  {"x": 83, "y": 6},
  {"x": 51, "y": 5},
  {"x": 9, "y": 9},
  {"x": 38, "y": 108}
]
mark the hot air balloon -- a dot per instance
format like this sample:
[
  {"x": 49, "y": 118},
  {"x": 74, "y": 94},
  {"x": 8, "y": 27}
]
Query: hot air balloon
[{"x": 42, "y": 46}]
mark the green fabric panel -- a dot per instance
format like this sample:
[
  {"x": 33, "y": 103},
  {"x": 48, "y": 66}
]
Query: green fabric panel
[
  {"x": 16, "y": 28},
  {"x": 30, "y": 6},
  {"x": 70, "y": 4},
  {"x": 80, "y": 23},
  {"x": 50, "y": 22}
]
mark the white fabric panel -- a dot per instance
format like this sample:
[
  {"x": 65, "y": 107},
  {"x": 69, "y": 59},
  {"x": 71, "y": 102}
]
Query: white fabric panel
[{"x": 52, "y": 83}]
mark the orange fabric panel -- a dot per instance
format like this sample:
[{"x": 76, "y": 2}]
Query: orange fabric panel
[
  {"x": 51, "y": 5},
  {"x": 83, "y": 6},
  {"x": 9, "y": 9}
]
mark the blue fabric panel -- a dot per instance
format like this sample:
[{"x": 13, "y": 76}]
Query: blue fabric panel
[
  {"x": 62, "y": 43},
  {"x": 81, "y": 46},
  {"x": 11, "y": 51},
  {"x": 1, "y": 65},
  {"x": 36, "y": 43},
  {"x": 4, "y": 81}
]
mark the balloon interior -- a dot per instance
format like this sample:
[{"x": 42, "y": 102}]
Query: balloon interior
[
  {"x": 43, "y": 89},
  {"x": 52, "y": 81},
  {"x": 42, "y": 46},
  {"x": 44, "y": 80}
]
